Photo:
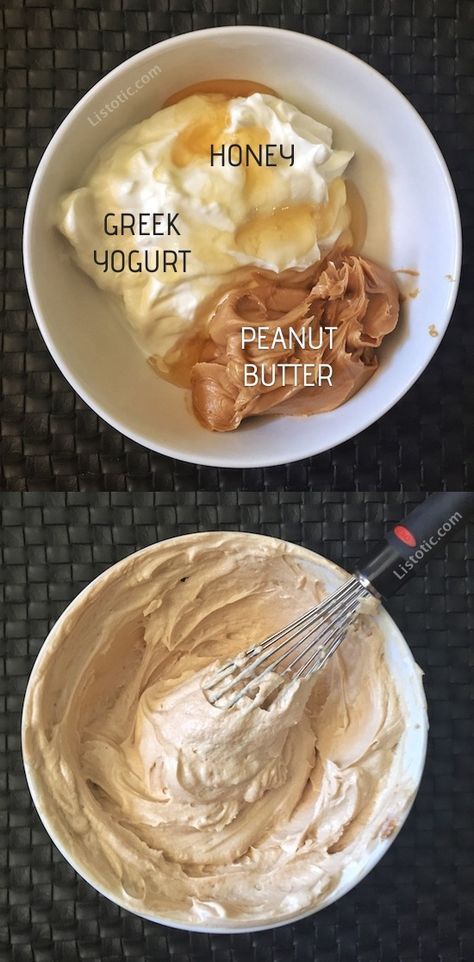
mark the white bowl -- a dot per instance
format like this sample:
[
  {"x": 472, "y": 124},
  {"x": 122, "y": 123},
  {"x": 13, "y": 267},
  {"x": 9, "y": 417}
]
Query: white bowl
[
  {"x": 405, "y": 673},
  {"x": 413, "y": 222}
]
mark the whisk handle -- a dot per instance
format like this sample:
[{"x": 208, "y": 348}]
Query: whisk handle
[{"x": 412, "y": 541}]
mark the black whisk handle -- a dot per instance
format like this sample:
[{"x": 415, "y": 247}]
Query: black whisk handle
[{"x": 412, "y": 541}]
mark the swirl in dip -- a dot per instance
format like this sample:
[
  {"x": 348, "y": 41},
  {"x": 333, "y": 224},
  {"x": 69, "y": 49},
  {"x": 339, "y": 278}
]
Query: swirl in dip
[{"x": 181, "y": 809}]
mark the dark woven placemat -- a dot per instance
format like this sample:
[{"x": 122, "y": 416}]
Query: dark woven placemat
[
  {"x": 416, "y": 906},
  {"x": 57, "y": 51}
]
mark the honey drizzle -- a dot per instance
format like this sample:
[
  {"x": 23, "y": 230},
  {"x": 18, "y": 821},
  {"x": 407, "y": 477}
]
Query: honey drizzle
[
  {"x": 227, "y": 88},
  {"x": 358, "y": 212}
]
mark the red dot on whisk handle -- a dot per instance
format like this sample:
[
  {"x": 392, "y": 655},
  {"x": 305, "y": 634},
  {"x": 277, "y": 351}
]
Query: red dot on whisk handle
[{"x": 403, "y": 534}]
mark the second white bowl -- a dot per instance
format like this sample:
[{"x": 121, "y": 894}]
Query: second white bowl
[{"x": 65, "y": 646}]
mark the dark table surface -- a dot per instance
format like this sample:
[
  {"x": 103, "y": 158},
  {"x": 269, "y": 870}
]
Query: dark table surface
[
  {"x": 416, "y": 905},
  {"x": 54, "y": 52}
]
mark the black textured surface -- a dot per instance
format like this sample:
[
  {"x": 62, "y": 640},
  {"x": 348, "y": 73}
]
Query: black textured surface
[
  {"x": 416, "y": 906},
  {"x": 57, "y": 51}
]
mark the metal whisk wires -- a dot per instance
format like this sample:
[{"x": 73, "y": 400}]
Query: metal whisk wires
[{"x": 295, "y": 651}]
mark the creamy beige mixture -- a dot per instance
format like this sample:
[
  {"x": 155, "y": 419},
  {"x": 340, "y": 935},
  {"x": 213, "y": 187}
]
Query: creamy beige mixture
[{"x": 183, "y": 809}]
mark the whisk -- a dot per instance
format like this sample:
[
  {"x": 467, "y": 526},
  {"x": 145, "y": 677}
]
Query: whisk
[{"x": 304, "y": 646}]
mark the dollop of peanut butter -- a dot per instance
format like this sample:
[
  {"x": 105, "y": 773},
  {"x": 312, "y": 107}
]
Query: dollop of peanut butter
[{"x": 355, "y": 297}]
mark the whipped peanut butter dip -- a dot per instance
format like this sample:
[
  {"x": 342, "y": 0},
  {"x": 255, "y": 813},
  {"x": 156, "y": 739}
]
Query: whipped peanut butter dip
[{"x": 198, "y": 814}]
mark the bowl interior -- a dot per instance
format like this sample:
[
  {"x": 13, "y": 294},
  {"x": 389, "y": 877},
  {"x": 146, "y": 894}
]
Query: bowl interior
[
  {"x": 409, "y": 688},
  {"x": 397, "y": 169}
]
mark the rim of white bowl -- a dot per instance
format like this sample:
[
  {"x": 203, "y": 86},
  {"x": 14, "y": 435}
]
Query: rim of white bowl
[
  {"x": 229, "y": 461},
  {"x": 239, "y": 927}
]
